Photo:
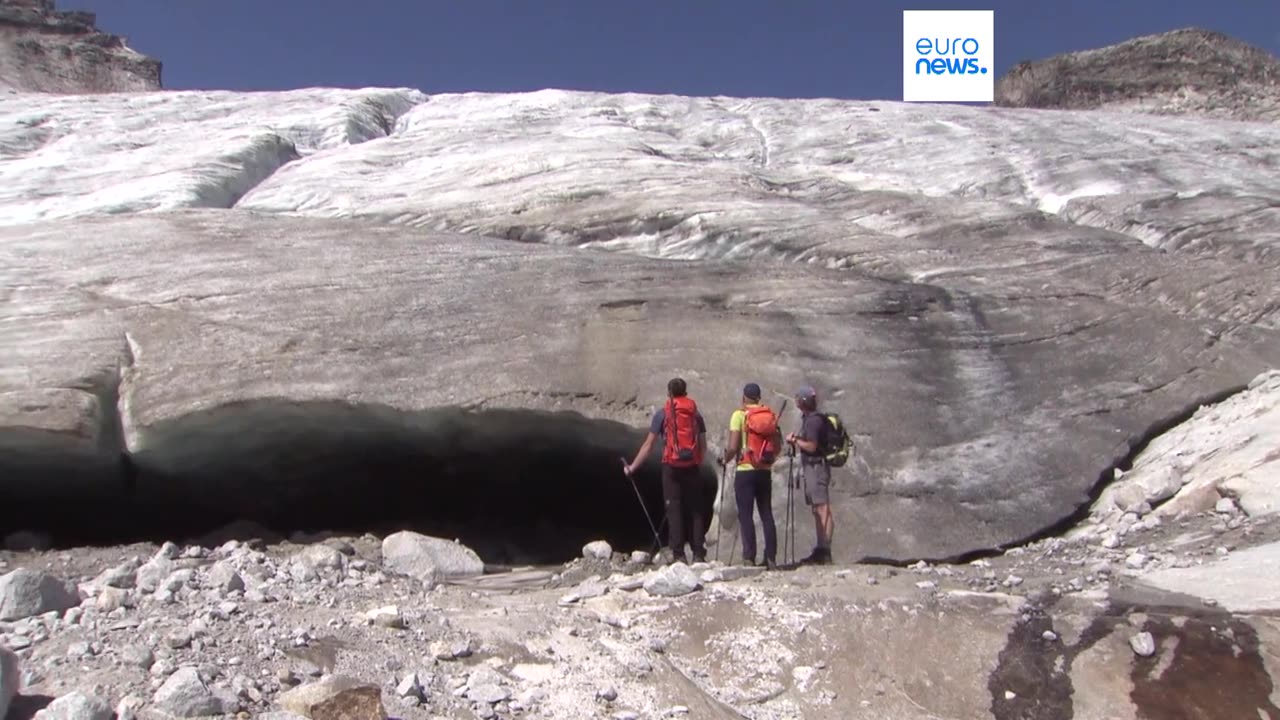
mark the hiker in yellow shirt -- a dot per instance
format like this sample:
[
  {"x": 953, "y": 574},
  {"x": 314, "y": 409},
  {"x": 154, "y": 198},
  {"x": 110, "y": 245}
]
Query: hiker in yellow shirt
[{"x": 755, "y": 442}]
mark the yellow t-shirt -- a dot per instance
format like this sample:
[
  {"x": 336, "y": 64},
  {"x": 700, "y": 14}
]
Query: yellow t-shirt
[{"x": 736, "y": 422}]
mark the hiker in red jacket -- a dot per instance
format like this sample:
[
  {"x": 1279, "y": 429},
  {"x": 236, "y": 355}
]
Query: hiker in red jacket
[{"x": 684, "y": 435}]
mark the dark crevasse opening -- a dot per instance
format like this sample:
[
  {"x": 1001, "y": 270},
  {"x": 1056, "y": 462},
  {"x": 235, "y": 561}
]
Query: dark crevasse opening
[{"x": 517, "y": 486}]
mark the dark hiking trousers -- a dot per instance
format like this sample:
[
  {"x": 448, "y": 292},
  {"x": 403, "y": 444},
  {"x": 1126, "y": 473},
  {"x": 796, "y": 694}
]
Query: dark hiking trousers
[
  {"x": 682, "y": 492},
  {"x": 756, "y": 487}
]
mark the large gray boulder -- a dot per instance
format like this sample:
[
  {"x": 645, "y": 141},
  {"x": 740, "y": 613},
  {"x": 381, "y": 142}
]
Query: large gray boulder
[
  {"x": 10, "y": 679},
  {"x": 26, "y": 593},
  {"x": 427, "y": 558},
  {"x": 185, "y": 695},
  {"x": 76, "y": 705},
  {"x": 467, "y": 313}
]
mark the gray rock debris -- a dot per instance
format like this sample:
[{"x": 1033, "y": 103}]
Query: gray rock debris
[
  {"x": 1143, "y": 644},
  {"x": 592, "y": 587},
  {"x": 597, "y": 550},
  {"x": 224, "y": 578},
  {"x": 76, "y": 705},
  {"x": 139, "y": 656},
  {"x": 128, "y": 707},
  {"x": 155, "y": 570},
  {"x": 310, "y": 563},
  {"x": 26, "y": 593},
  {"x": 10, "y": 679},
  {"x": 487, "y": 692},
  {"x": 428, "y": 559},
  {"x": 335, "y": 696},
  {"x": 185, "y": 695},
  {"x": 388, "y": 617},
  {"x": 672, "y": 581},
  {"x": 410, "y": 687},
  {"x": 123, "y": 576}
]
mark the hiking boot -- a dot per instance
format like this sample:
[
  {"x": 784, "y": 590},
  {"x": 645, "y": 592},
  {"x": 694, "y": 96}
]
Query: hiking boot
[
  {"x": 768, "y": 564},
  {"x": 819, "y": 556}
]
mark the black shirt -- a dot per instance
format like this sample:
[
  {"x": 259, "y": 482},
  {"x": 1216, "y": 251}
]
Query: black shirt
[{"x": 813, "y": 428}]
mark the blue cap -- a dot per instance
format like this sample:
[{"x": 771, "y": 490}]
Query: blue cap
[
  {"x": 751, "y": 391},
  {"x": 807, "y": 393}
]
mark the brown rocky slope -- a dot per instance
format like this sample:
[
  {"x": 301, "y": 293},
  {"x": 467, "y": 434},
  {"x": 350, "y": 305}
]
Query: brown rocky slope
[
  {"x": 43, "y": 49},
  {"x": 1186, "y": 71}
]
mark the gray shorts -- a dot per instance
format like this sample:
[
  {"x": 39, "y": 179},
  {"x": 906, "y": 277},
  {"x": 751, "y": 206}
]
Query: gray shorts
[{"x": 817, "y": 483}]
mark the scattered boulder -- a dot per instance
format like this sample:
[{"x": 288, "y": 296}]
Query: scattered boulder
[
  {"x": 336, "y": 697},
  {"x": 185, "y": 695},
  {"x": 123, "y": 576},
  {"x": 155, "y": 570},
  {"x": 597, "y": 550},
  {"x": 1136, "y": 560},
  {"x": 128, "y": 707},
  {"x": 388, "y": 617},
  {"x": 224, "y": 578},
  {"x": 111, "y": 599},
  {"x": 139, "y": 656},
  {"x": 484, "y": 685},
  {"x": 672, "y": 580},
  {"x": 1143, "y": 644},
  {"x": 10, "y": 679},
  {"x": 76, "y": 705},
  {"x": 592, "y": 587},
  {"x": 26, "y": 593},
  {"x": 410, "y": 687},
  {"x": 429, "y": 559}
]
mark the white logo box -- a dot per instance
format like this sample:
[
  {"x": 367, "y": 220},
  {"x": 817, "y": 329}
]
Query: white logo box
[{"x": 948, "y": 55}]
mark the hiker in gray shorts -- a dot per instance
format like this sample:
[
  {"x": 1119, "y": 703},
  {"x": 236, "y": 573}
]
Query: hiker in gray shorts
[{"x": 811, "y": 441}]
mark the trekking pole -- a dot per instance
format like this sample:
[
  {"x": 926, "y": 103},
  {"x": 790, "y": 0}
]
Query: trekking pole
[
  {"x": 644, "y": 507},
  {"x": 724, "y": 470},
  {"x": 791, "y": 512}
]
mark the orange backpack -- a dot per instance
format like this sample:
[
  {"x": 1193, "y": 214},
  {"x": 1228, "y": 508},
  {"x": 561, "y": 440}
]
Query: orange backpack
[
  {"x": 763, "y": 441},
  {"x": 680, "y": 431}
]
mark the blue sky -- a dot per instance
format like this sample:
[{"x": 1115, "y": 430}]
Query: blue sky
[{"x": 774, "y": 48}]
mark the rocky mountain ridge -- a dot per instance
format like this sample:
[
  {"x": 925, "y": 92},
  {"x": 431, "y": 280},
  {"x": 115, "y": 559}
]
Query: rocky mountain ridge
[
  {"x": 46, "y": 50},
  {"x": 1190, "y": 71}
]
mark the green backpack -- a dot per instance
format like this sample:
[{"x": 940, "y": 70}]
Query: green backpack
[{"x": 837, "y": 446}]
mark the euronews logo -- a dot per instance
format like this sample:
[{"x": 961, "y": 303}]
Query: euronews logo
[{"x": 948, "y": 55}]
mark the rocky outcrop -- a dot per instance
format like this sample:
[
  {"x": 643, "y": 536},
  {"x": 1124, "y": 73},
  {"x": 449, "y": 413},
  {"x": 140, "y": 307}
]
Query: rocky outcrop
[
  {"x": 46, "y": 50},
  {"x": 1187, "y": 71}
]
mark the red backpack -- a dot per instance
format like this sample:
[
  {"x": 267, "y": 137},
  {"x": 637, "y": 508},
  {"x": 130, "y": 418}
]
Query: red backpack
[
  {"x": 680, "y": 431},
  {"x": 763, "y": 440}
]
